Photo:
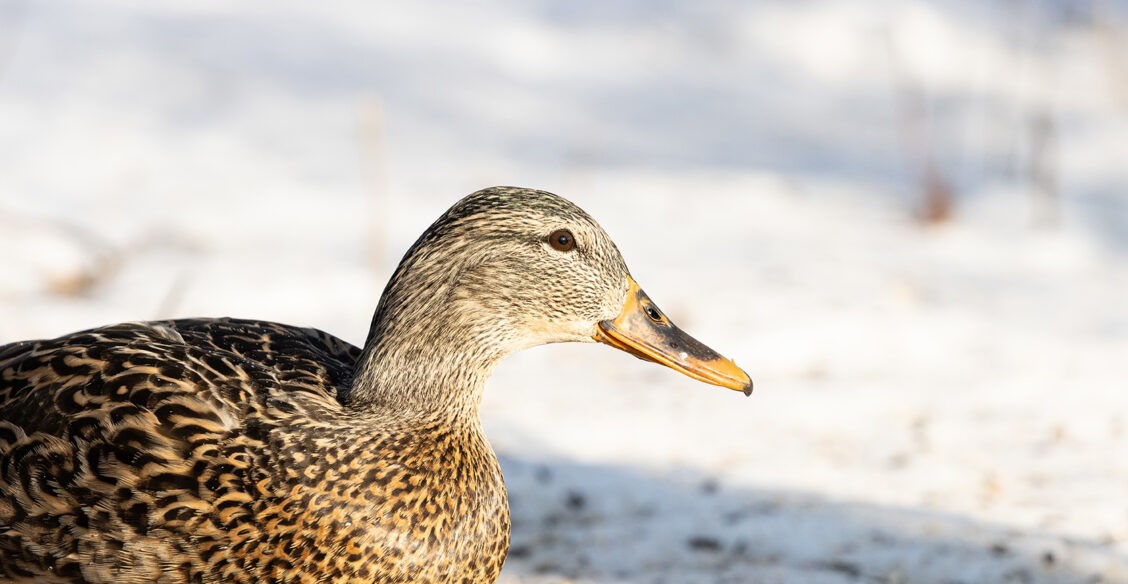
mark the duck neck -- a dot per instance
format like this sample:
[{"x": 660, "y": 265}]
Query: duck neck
[
  {"x": 419, "y": 377},
  {"x": 428, "y": 354}
]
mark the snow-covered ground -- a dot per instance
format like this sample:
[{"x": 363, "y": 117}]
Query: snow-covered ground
[{"x": 934, "y": 404}]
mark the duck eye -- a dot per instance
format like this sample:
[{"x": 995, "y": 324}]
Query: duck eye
[{"x": 562, "y": 240}]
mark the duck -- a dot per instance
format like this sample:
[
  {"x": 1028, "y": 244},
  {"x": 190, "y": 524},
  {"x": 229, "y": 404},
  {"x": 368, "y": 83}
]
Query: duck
[{"x": 231, "y": 450}]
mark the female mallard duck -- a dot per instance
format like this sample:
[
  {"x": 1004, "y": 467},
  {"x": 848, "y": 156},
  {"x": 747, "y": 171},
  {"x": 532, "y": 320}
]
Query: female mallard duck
[{"x": 222, "y": 450}]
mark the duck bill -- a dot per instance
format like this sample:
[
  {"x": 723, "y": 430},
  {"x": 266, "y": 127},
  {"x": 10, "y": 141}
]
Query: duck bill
[{"x": 642, "y": 330}]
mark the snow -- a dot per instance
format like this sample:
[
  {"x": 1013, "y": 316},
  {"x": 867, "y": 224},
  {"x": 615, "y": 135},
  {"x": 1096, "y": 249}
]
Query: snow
[{"x": 933, "y": 404}]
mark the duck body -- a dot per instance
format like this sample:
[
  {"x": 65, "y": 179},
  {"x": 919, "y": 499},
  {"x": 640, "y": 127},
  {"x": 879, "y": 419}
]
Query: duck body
[
  {"x": 222, "y": 450},
  {"x": 216, "y": 450}
]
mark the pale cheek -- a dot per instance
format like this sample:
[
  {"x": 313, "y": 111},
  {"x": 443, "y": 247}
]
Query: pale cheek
[
  {"x": 541, "y": 332},
  {"x": 614, "y": 302}
]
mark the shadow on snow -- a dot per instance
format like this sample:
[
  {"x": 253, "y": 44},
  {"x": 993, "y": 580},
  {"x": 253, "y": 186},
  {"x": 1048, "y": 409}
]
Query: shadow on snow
[{"x": 590, "y": 523}]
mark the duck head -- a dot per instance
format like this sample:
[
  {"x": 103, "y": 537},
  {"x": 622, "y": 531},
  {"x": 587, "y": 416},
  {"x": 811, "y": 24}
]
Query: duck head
[{"x": 509, "y": 268}]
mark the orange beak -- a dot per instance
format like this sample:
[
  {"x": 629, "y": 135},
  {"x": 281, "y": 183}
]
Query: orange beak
[{"x": 643, "y": 331}]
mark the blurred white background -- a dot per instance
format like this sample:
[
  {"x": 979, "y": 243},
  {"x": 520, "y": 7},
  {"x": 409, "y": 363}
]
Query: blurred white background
[{"x": 907, "y": 220}]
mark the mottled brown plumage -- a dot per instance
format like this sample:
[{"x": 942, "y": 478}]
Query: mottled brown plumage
[{"x": 224, "y": 450}]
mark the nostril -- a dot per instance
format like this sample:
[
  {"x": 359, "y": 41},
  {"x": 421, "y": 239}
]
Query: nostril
[{"x": 653, "y": 313}]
